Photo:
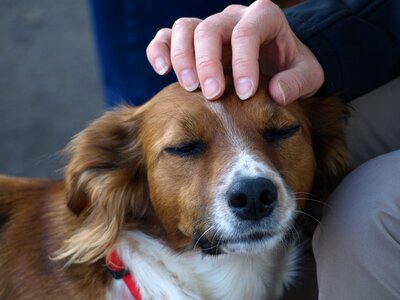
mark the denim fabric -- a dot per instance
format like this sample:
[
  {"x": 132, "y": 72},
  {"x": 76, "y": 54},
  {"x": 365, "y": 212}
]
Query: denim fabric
[{"x": 123, "y": 29}]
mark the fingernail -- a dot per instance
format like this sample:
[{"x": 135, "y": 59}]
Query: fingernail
[
  {"x": 211, "y": 88},
  {"x": 244, "y": 88},
  {"x": 189, "y": 80},
  {"x": 161, "y": 65},
  {"x": 282, "y": 89}
]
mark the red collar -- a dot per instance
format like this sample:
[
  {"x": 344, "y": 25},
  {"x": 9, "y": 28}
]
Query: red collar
[{"x": 118, "y": 270}]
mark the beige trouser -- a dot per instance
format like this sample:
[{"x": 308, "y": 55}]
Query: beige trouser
[{"x": 357, "y": 244}]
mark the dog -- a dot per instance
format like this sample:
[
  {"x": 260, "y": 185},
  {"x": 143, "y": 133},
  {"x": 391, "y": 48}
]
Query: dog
[{"x": 181, "y": 198}]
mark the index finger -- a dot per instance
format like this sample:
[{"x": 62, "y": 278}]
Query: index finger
[
  {"x": 210, "y": 35},
  {"x": 260, "y": 24}
]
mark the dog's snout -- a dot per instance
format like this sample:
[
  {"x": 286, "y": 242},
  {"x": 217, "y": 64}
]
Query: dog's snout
[{"x": 252, "y": 198}]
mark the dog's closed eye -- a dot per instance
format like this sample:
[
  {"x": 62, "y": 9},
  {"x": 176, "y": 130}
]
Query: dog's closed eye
[
  {"x": 186, "y": 149},
  {"x": 274, "y": 135}
]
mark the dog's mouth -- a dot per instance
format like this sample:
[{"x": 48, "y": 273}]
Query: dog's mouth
[
  {"x": 228, "y": 235},
  {"x": 252, "y": 243}
]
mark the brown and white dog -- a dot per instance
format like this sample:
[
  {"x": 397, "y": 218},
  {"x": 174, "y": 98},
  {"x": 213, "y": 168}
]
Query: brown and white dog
[{"x": 197, "y": 198}]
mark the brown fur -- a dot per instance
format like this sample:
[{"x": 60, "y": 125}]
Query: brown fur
[{"x": 56, "y": 234}]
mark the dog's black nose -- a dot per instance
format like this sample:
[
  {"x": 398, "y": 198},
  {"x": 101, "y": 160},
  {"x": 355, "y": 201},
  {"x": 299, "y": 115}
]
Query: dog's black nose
[{"x": 252, "y": 198}]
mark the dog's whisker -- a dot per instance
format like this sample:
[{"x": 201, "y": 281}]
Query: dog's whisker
[
  {"x": 214, "y": 235},
  {"x": 204, "y": 233},
  {"x": 308, "y": 215},
  {"x": 316, "y": 201},
  {"x": 306, "y": 193},
  {"x": 219, "y": 242},
  {"x": 293, "y": 228}
]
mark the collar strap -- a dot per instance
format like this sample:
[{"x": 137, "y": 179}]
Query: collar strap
[{"x": 118, "y": 271}]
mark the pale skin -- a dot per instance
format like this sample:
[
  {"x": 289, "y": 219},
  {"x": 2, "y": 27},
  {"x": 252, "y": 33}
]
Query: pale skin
[{"x": 261, "y": 39}]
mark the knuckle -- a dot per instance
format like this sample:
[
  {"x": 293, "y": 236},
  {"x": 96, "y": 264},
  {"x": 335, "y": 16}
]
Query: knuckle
[
  {"x": 244, "y": 31},
  {"x": 268, "y": 4},
  {"x": 152, "y": 48},
  {"x": 204, "y": 63},
  {"x": 270, "y": 9},
  {"x": 233, "y": 8},
  {"x": 241, "y": 63},
  {"x": 319, "y": 74},
  {"x": 298, "y": 81},
  {"x": 205, "y": 28},
  {"x": 162, "y": 33},
  {"x": 183, "y": 23},
  {"x": 179, "y": 54}
]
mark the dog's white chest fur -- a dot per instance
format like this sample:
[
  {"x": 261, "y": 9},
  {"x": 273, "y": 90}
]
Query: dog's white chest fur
[{"x": 162, "y": 274}]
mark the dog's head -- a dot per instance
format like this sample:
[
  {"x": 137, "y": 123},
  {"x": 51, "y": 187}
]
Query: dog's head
[{"x": 219, "y": 176}]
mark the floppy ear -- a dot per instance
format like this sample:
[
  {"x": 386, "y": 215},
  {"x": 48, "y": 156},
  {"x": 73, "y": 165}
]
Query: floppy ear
[
  {"x": 328, "y": 118},
  {"x": 105, "y": 179}
]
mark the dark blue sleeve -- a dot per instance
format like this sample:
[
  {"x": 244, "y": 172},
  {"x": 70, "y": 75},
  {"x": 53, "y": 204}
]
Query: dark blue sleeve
[{"x": 357, "y": 42}]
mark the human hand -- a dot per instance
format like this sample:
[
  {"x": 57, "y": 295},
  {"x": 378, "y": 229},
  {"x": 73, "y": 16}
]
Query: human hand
[{"x": 261, "y": 39}]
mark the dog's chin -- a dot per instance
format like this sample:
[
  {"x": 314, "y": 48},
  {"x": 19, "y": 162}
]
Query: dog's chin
[
  {"x": 247, "y": 245},
  {"x": 251, "y": 245}
]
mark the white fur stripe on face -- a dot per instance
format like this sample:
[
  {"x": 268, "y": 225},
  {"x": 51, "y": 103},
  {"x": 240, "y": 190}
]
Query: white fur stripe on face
[
  {"x": 247, "y": 165},
  {"x": 226, "y": 121},
  {"x": 244, "y": 164}
]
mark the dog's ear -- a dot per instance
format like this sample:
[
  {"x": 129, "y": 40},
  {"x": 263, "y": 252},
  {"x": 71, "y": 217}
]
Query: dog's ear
[
  {"x": 105, "y": 179},
  {"x": 327, "y": 117}
]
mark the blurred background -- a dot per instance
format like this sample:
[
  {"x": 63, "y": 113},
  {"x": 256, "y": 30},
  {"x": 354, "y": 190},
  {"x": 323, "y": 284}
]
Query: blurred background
[{"x": 50, "y": 86}]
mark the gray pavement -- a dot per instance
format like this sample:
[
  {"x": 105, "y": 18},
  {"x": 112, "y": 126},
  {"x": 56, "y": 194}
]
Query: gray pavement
[{"x": 49, "y": 83}]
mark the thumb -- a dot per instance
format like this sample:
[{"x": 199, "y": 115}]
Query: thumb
[{"x": 302, "y": 80}]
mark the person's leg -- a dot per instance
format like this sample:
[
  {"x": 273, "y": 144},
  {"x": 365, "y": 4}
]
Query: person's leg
[
  {"x": 374, "y": 128},
  {"x": 357, "y": 244}
]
